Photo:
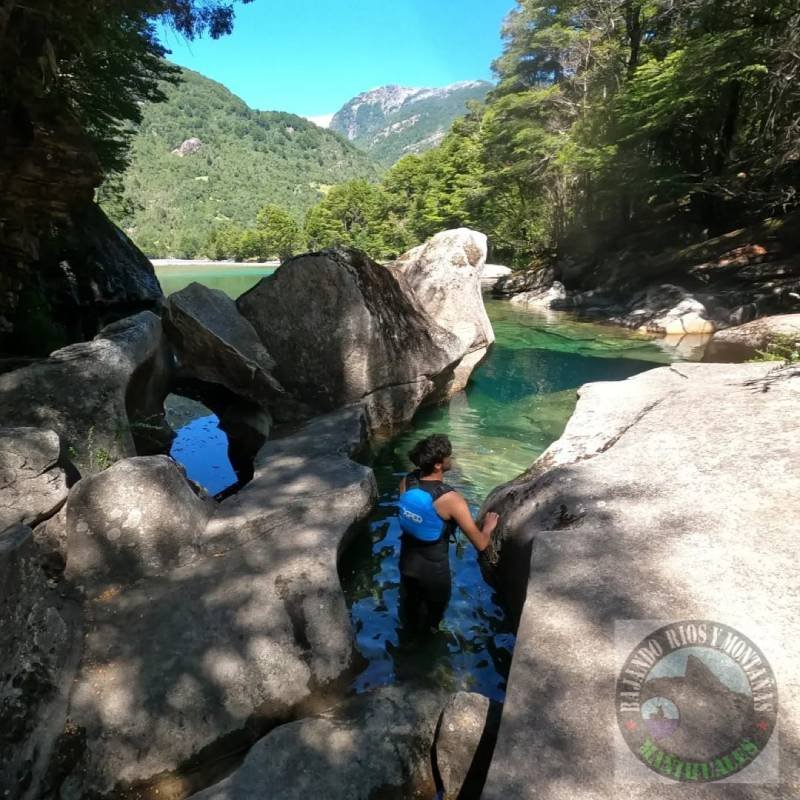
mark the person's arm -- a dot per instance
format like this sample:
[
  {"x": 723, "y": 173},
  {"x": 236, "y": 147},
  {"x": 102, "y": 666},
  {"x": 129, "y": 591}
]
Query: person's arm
[
  {"x": 402, "y": 485},
  {"x": 453, "y": 506}
]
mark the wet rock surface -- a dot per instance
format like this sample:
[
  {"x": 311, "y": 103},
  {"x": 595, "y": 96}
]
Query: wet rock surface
[
  {"x": 375, "y": 745},
  {"x": 632, "y": 517}
]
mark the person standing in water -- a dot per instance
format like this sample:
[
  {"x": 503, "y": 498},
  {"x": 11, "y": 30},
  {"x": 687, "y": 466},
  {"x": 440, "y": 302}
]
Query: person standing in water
[{"x": 429, "y": 512}]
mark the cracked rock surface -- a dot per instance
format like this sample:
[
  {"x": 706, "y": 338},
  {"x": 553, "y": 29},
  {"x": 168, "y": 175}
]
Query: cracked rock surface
[
  {"x": 667, "y": 498},
  {"x": 33, "y": 484}
]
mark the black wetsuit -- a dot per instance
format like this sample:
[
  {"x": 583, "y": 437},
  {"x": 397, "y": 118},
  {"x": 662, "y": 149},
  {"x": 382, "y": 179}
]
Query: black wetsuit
[{"x": 425, "y": 566}]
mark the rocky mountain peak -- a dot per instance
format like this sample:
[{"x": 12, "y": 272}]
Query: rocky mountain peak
[{"x": 391, "y": 121}]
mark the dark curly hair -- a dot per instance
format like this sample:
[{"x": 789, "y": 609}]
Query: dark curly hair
[{"x": 429, "y": 452}]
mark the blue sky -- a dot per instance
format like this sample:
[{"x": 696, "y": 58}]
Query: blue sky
[{"x": 311, "y": 56}]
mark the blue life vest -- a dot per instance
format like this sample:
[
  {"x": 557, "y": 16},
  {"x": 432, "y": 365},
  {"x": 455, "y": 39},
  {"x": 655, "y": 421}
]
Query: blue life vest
[{"x": 418, "y": 516}]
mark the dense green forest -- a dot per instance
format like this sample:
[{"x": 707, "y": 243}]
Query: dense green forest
[
  {"x": 609, "y": 118},
  {"x": 245, "y": 160}
]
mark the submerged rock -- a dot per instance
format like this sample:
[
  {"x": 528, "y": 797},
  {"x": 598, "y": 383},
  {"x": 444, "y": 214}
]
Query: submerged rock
[
  {"x": 95, "y": 395},
  {"x": 225, "y": 647},
  {"x": 342, "y": 331},
  {"x": 464, "y": 743},
  {"x": 376, "y": 745},
  {"x": 665, "y": 499},
  {"x": 33, "y": 482},
  {"x": 139, "y": 517},
  {"x": 215, "y": 343}
]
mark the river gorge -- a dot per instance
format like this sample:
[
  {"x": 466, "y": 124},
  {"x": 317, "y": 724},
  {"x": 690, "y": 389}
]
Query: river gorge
[{"x": 515, "y": 406}]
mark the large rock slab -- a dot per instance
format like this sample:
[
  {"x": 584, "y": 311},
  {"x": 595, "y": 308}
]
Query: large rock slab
[
  {"x": 225, "y": 647},
  {"x": 465, "y": 740},
  {"x": 666, "y": 499},
  {"x": 79, "y": 268},
  {"x": 37, "y": 640},
  {"x": 33, "y": 482},
  {"x": 139, "y": 517},
  {"x": 342, "y": 331},
  {"x": 375, "y": 745},
  {"x": 215, "y": 343},
  {"x": 95, "y": 394},
  {"x": 759, "y": 332}
]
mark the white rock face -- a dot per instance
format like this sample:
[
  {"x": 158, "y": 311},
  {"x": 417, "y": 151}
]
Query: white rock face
[
  {"x": 443, "y": 276},
  {"x": 493, "y": 272},
  {"x": 187, "y": 147},
  {"x": 686, "y": 317},
  {"x": 541, "y": 298}
]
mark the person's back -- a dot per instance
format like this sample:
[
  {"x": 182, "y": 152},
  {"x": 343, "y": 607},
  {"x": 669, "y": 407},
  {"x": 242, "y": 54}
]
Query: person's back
[{"x": 429, "y": 512}]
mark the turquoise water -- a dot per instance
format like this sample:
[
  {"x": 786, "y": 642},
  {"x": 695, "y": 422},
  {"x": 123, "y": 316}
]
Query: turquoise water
[{"x": 516, "y": 405}]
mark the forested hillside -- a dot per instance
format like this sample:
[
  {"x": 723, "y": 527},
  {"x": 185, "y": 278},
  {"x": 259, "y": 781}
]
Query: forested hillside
[
  {"x": 670, "y": 121},
  {"x": 170, "y": 198}
]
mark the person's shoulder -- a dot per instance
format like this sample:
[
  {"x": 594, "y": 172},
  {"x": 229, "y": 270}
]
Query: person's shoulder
[{"x": 445, "y": 490}]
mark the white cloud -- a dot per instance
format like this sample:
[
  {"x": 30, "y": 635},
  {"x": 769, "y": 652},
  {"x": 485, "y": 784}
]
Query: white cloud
[{"x": 322, "y": 120}]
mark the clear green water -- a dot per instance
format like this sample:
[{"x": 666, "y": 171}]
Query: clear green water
[
  {"x": 516, "y": 405},
  {"x": 233, "y": 280}
]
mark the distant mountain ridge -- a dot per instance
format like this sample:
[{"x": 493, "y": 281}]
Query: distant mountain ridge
[
  {"x": 203, "y": 158},
  {"x": 392, "y": 121}
]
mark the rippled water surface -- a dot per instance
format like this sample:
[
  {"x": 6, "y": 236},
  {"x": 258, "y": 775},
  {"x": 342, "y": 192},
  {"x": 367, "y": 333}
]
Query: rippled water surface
[{"x": 516, "y": 405}]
